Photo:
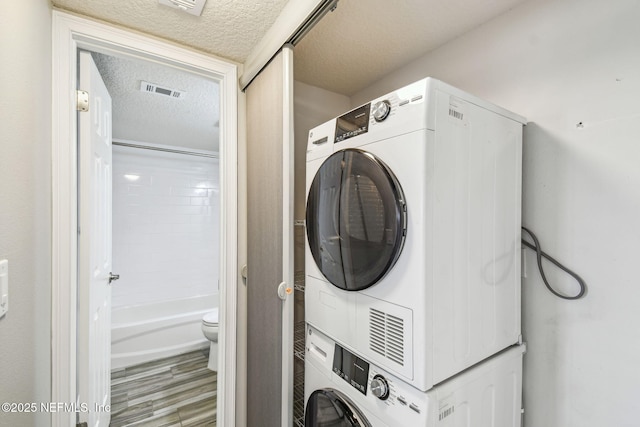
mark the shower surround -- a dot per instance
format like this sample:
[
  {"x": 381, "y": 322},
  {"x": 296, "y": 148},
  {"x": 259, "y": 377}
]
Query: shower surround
[{"x": 166, "y": 250}]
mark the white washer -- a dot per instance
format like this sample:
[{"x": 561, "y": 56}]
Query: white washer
[
  {"x": 342, "y": 389},
  {"x": 413, "y": 226}
]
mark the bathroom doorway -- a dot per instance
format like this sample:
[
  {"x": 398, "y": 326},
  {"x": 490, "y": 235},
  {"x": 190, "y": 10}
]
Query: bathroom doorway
[
  {"x": 165, "y": 237},
  {"x": 71, "y": 34}
]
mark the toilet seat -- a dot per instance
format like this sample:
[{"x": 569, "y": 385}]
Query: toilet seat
[{"x": 211, "y": 318}]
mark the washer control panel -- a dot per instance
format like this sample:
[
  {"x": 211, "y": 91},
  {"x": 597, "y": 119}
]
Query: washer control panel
[
  {"x": 351, "y": 368},
  {"x": 329, "y": 364}
]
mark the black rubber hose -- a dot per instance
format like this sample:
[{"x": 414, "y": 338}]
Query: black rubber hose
[{"x": 540, "y": 254}]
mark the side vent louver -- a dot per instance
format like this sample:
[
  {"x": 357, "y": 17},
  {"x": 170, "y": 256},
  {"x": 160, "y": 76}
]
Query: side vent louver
[
  {"x": 386, "y": 335},
  {"x": 159, "y": 90}
]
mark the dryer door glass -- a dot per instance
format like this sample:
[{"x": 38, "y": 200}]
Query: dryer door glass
[
  {"x": 356, "y": 219},
  {"x": 331, "y": 408}
]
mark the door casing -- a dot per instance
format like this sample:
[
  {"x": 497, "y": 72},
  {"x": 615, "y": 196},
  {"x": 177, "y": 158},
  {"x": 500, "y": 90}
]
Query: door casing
[{"x": 71, "y": 33}]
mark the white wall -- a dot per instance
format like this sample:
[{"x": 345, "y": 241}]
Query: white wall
[
  {"x": 165, "y": 226},
  {"x": 25, "y": 205},
  {"x": 561, "y": 63}
]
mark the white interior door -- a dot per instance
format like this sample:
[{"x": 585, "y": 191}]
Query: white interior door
[{"x": 94, "y": 247}]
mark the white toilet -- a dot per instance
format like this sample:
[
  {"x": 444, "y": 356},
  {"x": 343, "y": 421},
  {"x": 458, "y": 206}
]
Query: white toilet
[{"x": 210, "y": 331}]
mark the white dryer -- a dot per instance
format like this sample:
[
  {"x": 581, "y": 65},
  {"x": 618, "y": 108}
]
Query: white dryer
[
  {"x": 413, "y": 226},
  {"x": 343, "y": 389}
]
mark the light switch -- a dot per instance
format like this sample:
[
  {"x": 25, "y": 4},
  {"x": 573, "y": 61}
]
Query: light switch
[{"x": 4, "y": 287}]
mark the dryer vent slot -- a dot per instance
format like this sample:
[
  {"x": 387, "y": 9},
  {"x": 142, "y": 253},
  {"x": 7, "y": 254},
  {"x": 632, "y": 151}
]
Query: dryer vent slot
[{"x": 386, "y": 335}]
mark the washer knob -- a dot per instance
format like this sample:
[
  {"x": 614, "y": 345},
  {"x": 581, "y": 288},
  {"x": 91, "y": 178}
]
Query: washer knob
[
  {"x": 380, "y": 387},
  {"x": 381, "y": 110}
]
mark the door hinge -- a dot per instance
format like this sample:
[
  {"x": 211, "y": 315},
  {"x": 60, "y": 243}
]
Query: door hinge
[
  {"x": 244, "y": 273},
  {"x": 84, "y": 424},
  {"x": 82, "y": 100}
]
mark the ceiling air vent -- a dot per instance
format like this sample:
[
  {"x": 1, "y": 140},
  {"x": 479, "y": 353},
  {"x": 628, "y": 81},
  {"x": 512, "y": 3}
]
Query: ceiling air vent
[
  {"x": 159, "y": 90},
  {"x": 193, "y": 7}
]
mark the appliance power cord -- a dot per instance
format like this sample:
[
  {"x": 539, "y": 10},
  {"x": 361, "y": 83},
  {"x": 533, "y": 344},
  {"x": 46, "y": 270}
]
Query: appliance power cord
[{"x": 539, "y": 255}]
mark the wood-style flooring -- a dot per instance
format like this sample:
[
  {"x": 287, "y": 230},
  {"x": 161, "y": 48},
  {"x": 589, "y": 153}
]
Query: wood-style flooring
[{"x": 177, "y": 391}]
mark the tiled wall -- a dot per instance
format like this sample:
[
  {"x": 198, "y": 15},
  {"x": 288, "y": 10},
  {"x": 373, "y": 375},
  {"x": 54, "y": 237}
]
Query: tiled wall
[{"x": 165, "y": 226}]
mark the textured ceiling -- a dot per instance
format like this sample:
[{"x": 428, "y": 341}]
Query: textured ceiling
[
  {"x": 364, "y": 40},
  {"x": 348, "y": 50},
  {"x": 227, "y": 28},
  {"x": 357, "y": 44},
  {"x": 140, "y": 116}
]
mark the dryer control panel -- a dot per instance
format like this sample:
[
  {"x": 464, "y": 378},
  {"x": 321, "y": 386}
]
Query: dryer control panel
[{"x": 353, "y": 123}]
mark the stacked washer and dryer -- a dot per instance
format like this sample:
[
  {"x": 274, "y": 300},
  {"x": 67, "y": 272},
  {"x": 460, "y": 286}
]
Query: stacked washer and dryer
[{"x": 412, "y": 297}]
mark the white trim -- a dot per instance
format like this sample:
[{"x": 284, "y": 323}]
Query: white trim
[
  {"x": 292, "y": 16},
  {"x": 70, "y": 33},
  {"x": 288, "y": 170}
]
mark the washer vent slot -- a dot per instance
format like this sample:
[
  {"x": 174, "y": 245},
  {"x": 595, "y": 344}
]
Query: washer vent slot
[{"x": 386, "y": 335}]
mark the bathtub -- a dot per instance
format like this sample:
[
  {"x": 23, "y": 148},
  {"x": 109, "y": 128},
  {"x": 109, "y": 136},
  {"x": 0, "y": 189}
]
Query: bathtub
[{"x": 142, "y": 333}]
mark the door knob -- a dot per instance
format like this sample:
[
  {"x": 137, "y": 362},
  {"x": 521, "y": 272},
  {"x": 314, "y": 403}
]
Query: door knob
[
  {"x": 284, "y": 290},
  {"x": 113, "y": 277}
]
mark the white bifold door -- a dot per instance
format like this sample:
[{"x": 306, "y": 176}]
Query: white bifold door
[
  {"x": 94, "y": 248},
  {"x": 270, "y": 244}
]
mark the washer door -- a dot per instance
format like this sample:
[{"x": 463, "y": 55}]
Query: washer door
[
  {"x": 329, "y": 407},
  {"x": 356, "y": 219}
]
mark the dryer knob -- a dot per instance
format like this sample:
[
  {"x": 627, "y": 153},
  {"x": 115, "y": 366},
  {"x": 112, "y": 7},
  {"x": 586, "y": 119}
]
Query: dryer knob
[
  {"x": 381, "y": 110},
  {"x": 380, "y": 387}
]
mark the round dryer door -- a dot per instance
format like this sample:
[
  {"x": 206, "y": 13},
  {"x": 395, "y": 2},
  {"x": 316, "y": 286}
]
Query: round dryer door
[
  {"x": 331, "y": 408},
  {"x": 356, "y": 219}
]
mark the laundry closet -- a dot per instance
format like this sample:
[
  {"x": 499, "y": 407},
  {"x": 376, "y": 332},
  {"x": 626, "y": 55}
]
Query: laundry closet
[
  {"x": 313, "y": 106},
  {"x": 509, "y": 62}
]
